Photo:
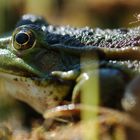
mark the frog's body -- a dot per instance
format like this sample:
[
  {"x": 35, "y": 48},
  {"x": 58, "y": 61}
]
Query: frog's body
[{"x": 40, "y": 62}]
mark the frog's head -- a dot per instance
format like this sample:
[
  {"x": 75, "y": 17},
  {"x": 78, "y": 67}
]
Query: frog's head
[
  {"x": 26, "y": 62},
  {"x": 14, "y": 53},
  {"x": 25, "y": 53}
]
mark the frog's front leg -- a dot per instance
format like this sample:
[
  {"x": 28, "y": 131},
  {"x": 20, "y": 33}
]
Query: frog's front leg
[
  {"x": 77, "y": 89},
  {"x": 66, "y": 75},
  {"x": 71, "y": 75},
  {"x": 111, "y": 86}
]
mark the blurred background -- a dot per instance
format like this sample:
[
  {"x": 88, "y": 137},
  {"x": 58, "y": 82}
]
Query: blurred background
[
  {"x": 79, "y": 13},
  {"x": 93, "y": 13}
]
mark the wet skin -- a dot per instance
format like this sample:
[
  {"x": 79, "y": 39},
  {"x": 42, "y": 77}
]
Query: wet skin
[{"x": 40, "y": 63}]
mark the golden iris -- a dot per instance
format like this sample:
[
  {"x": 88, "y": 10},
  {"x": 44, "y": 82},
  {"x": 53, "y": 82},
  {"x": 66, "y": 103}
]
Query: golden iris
[{"x": 23, "y": 39}]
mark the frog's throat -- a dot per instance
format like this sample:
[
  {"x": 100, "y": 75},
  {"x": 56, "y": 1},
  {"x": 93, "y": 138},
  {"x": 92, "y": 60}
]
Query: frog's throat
[{"x": 41, "y": 95}]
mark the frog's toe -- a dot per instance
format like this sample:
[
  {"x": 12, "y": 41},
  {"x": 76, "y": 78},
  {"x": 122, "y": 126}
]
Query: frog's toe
[
  {"x": 77, "y": 89},
  {"x": 76, "y": 93},
  {"x": 5, "y": 132},
  {"x": 68, "y": 75},
  {"x": 131, "y": 99}
]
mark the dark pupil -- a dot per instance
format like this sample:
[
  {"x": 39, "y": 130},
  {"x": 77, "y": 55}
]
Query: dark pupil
[{"x": 21, "y": 38}]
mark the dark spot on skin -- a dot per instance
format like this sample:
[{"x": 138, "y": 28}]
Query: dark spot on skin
[
  {"x": 15, "y": 79},
  {"x": 28, "y": 85},
  {"x": 56, "y": 98},
  {"x": 90, "y": 33},
  {"x": 109, "y": 40},
  {"x": 44, "y": 91},
  {"x": 123, "y": 30},
  {"x": 136, "y": 38},
  {"x": 21, "y": 79},
  {"x": 51, "y": 92},
  {"x": 37, "y": 82}
]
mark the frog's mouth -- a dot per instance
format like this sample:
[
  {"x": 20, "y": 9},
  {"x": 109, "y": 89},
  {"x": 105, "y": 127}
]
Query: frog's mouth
[{"x": 11, "y": 64}]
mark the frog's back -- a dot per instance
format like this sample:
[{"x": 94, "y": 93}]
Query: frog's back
[{"x": 86, "y": 36}]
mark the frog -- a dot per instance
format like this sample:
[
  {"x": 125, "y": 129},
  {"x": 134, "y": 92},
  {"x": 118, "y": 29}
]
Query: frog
[{"x": 40, "y": 62}]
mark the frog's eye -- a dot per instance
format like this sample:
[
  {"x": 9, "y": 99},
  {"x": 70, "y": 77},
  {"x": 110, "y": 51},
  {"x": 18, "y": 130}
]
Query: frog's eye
[{"x": 23, "y": 40}]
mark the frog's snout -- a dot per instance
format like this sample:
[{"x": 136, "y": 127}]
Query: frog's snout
[{"x": 5, "y": 41}]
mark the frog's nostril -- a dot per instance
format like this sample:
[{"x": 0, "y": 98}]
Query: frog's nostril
[{"x": 22, "y": 38}]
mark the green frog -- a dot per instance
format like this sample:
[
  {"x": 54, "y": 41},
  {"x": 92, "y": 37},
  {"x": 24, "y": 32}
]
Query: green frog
[{"x": 40, "y": 62}]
